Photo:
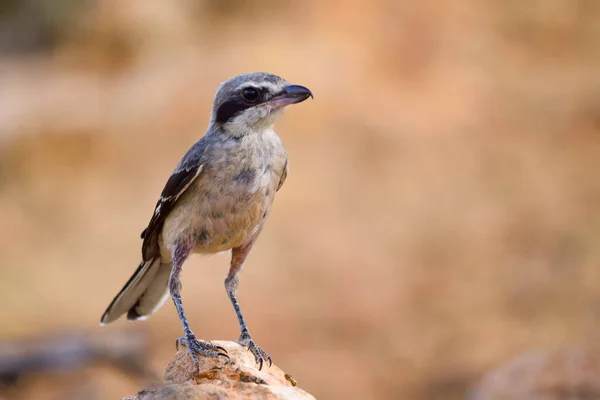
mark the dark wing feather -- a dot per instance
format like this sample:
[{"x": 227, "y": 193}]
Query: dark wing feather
[{"x": 184, "y": 175}]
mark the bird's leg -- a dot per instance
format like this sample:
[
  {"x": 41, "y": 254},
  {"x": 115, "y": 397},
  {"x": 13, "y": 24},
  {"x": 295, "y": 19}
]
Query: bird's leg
[
  {"x": 238, "y": 255},
  {"x": 180, "y": 253}
]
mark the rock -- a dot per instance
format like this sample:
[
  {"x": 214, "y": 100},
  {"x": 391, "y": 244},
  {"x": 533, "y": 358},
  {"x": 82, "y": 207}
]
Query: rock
[
  {"x": 218, "y": 378},
  {"x": 571, "y": 373}
]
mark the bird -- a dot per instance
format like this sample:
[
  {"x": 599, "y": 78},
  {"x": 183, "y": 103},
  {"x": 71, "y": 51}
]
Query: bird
[{"x": 217, "y": 199}]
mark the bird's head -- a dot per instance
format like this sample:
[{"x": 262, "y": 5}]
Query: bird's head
[{"x": 251, "y": 102}]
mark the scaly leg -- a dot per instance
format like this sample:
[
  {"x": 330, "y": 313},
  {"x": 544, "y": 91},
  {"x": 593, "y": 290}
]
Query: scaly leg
[
  {"x": 238, "y": 255},
  {"x": 180, "y": 254}
]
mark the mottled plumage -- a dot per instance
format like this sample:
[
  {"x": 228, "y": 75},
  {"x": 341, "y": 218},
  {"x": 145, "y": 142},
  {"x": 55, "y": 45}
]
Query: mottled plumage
[{"x": 217, "y": 199}]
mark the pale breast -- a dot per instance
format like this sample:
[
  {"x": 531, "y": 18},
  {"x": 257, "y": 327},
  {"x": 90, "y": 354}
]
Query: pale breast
[{"x": 228, "y": 204}]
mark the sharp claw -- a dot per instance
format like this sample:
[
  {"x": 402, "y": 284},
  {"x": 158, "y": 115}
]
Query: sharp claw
[
  {"x": 221, "y": 348},
  {"x": 260, "y": 355},
  {"x": 204, "y": 348}
]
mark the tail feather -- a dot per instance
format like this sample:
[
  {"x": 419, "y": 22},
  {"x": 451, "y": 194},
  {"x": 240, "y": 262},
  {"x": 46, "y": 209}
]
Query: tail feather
[
  {"x": 135, "y": 287},
  {"x": 154, "y": 296}
]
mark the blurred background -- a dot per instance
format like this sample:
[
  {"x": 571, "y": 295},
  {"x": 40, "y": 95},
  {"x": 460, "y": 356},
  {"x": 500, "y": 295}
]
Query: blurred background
[{"x": 441, "y": 215}]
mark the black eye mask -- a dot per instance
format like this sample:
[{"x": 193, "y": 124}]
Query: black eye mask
[{"x": 239, "y": 102}]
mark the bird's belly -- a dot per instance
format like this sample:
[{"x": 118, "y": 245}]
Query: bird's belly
[
  {"x": 215, "y": 227},
  {"x": 219, "y": 215},
  {"x": 229, "y": 227}
]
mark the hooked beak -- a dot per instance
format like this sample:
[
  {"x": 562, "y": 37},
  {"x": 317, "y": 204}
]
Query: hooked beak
[{"x": 291, "y": 94}]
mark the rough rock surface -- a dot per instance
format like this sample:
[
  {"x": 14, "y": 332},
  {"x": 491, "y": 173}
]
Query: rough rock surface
[
  {"x": 571, "y": 373},
  {"x": 222, "y": 379}
]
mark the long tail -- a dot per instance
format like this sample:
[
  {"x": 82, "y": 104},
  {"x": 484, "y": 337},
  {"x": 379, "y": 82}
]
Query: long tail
[{"x": 144, "y": 292}]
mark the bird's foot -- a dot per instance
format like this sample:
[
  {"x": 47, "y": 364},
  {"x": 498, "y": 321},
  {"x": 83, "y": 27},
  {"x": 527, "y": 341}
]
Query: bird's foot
[
  {"x": 197, "y": 346},
  {"x": 259, "y": 354}
]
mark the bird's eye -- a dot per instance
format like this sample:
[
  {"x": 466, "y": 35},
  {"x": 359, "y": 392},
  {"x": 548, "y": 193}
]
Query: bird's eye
[{"x": 250, "y": 94}]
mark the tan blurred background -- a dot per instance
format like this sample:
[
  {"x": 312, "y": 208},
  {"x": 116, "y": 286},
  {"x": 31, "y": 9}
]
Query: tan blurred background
[{"x": 441, "y": 215}]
